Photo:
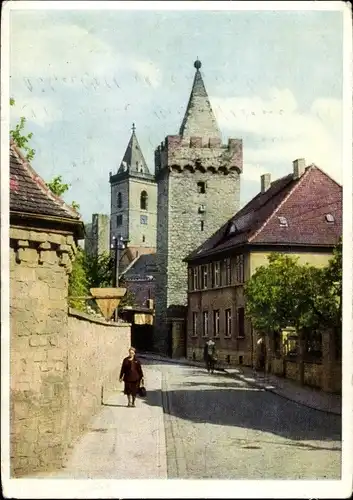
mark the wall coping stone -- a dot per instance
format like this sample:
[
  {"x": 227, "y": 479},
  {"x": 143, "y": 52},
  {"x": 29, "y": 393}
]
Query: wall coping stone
[{"x": 84, "y": 316}]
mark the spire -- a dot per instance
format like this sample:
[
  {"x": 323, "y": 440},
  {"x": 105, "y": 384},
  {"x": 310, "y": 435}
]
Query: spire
[
  {"x": 199, "y": 120},
  {"x": 133, "y": 160}
]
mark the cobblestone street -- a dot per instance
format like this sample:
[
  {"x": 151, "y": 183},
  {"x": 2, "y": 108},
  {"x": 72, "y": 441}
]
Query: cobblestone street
[{"x": 222, "y": 428}]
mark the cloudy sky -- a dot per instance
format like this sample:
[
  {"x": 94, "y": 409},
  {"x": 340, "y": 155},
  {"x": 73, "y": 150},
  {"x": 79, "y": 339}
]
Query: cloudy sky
[{"x": 81, "y": 78}]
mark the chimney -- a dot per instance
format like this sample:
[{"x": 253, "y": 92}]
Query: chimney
[
  {"x": 265, "y": 182},
  {"x": 298, "y": 168}
]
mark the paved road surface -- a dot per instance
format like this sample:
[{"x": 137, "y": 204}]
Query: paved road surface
[{"x": 219, "y": 427}]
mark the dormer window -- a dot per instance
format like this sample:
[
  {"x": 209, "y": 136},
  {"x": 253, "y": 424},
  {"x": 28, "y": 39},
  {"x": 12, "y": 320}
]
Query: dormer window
[
  {"x": 283, "y": 222},
  {"x": 232, "y": 229},
  {"x": 330, "y": 218},
  {"x": 201, "y": 187},
  {"x": 202, "y": 209}
]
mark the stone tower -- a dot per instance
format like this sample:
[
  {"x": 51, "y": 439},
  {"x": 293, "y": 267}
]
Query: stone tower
[
  {"x": 134, "y": 200},
  {"x": 198, "y": 190}
]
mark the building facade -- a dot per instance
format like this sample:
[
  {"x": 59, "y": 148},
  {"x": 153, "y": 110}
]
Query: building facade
[
  {"x": 300, "y": 214},
  {"x": 198, "y": 190},
  {"x": 134, "y": 201},
  {"x": 97, "y": 238}
]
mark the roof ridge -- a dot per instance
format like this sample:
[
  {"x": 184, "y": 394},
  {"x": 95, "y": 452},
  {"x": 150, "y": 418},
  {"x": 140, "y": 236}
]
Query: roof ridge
[
  {"x": 39, "y": 181},
  {"x": 288, "y": 195}
]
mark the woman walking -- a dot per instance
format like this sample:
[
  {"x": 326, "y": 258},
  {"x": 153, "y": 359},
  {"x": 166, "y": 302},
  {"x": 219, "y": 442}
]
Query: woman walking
[{"x": 132, "y": 375}]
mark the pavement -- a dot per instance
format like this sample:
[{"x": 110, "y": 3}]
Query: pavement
[
  {"x": 121, "y": 442},
  {"x": 306, "y": 396},
  {"x": 192, "y": 423}
]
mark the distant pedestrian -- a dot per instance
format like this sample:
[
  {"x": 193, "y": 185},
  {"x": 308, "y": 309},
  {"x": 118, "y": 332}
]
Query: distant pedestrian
[
  {"x": 210, "y": 355},
  {"x": 132, "y": 375}
]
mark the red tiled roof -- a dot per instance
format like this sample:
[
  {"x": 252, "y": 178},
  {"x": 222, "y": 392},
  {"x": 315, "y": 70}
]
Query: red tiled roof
[
  {"x": 29, "y": 193},
  {"x": 303, "y": 202}
]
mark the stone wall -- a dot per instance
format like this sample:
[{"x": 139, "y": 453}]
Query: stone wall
[
  {"x": 143, "y": 235},
  {"x": 39, "y": 266},
  {"x": 189, "y": 216},
  {"x": 96, "y": 350},
  {"x": 56, "y": 363},
  {"x": 131, "y": 228},
  {"x": 160, "y": 339}
]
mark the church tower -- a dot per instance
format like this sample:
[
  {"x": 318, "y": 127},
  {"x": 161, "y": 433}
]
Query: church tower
[
  {"x": 134, "y": 201},
  {"x": 198, "y": 191}
]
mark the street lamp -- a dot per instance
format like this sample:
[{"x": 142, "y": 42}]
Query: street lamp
[{"x": 118, "y": 243}]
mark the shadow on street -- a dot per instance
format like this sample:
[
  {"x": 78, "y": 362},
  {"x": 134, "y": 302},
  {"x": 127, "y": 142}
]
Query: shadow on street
[{"x": 249, "y": 409}]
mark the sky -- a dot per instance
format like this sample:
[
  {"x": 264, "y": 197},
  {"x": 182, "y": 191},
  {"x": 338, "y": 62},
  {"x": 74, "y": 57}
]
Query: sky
[{"x": 81, "y": 78}]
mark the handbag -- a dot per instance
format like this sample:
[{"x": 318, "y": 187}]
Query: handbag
[{"x": 142, "y": 392}]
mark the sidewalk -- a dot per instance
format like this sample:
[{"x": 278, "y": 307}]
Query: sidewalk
[
  {"x": 306, "y": 396},
  {"x": 121, "y": 442}
]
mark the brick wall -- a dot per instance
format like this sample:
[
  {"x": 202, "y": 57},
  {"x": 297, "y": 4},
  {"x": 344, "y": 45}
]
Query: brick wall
[{"x": 43, "y": 344}]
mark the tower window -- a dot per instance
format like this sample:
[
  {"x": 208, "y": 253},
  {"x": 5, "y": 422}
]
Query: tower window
[
  {"x": 119, "y": 220},
  {"x": 119, "y": 200},
  {"x": 143, "y": 200},
  {"x": 143, "y": 239},
  {"x": 201, "y": 187},
  {"x": 143, "y": 219},
  {"x": 202, "y": 225}
]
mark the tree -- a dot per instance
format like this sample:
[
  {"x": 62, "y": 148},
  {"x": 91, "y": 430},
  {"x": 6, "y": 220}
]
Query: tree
[
  {"x": 99, "y": 270},
  {"x": 270, "y": 301},
  {"x": 305, "y": 297},
  {"x": 22, "y": 141},
  {"x": 78, "y": 281}
]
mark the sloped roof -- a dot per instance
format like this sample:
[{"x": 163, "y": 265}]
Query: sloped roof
[
  {"x": 145, "y": 266},
  {"x": 199, "y": 119},
  {"x": 29, "y": 194},
  {"x": 303, "y": 203},
  {"x": 133, "y": 160}
]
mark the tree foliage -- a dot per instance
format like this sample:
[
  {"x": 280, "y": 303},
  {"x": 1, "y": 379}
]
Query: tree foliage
[
  {"x": 285, "y": 294},
  {"x": 56, "y": 185},
  {"x": 78, "y": 281},
  {"x": 20, "y": 139},
  {"x": 93, "y": 272}
]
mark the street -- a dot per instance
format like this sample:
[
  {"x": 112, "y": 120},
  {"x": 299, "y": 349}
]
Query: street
[{"x": 219, "y": 427}]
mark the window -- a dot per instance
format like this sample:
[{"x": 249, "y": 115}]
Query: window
[
  {"x": 283, "y": 222},
  {"x": 119, "y": 201},
  {"x": 239, "y": 268},
  {"x": 143, "y": 219},
  {"x": 205, "y": 324},
  {"x": 201, "y": 187},
  {"x": 216, "y": 274},
  {"x": 329, "y": 218},
  {"x": 143, "y": 238},
  {"x": 228, "y": 317},
  {"x": 143, "y": 200},
  {"x": 241, "y": 322},
  {"x": 228, "y": 272},
  {"x": 119, "y": 220},
  {"x": 202, "y": 225},
  {"x": 204, "y": 276},
  {"x": 195, "y": 279},
  {"x": 216, "y": 323},
  {"x": 194, "y": 324}
]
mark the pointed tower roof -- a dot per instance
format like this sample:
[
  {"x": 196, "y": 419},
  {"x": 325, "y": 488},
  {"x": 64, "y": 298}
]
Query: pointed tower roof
[
  {"x": 199, "y": 120},
  {"x": 133, "y": 160}
]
